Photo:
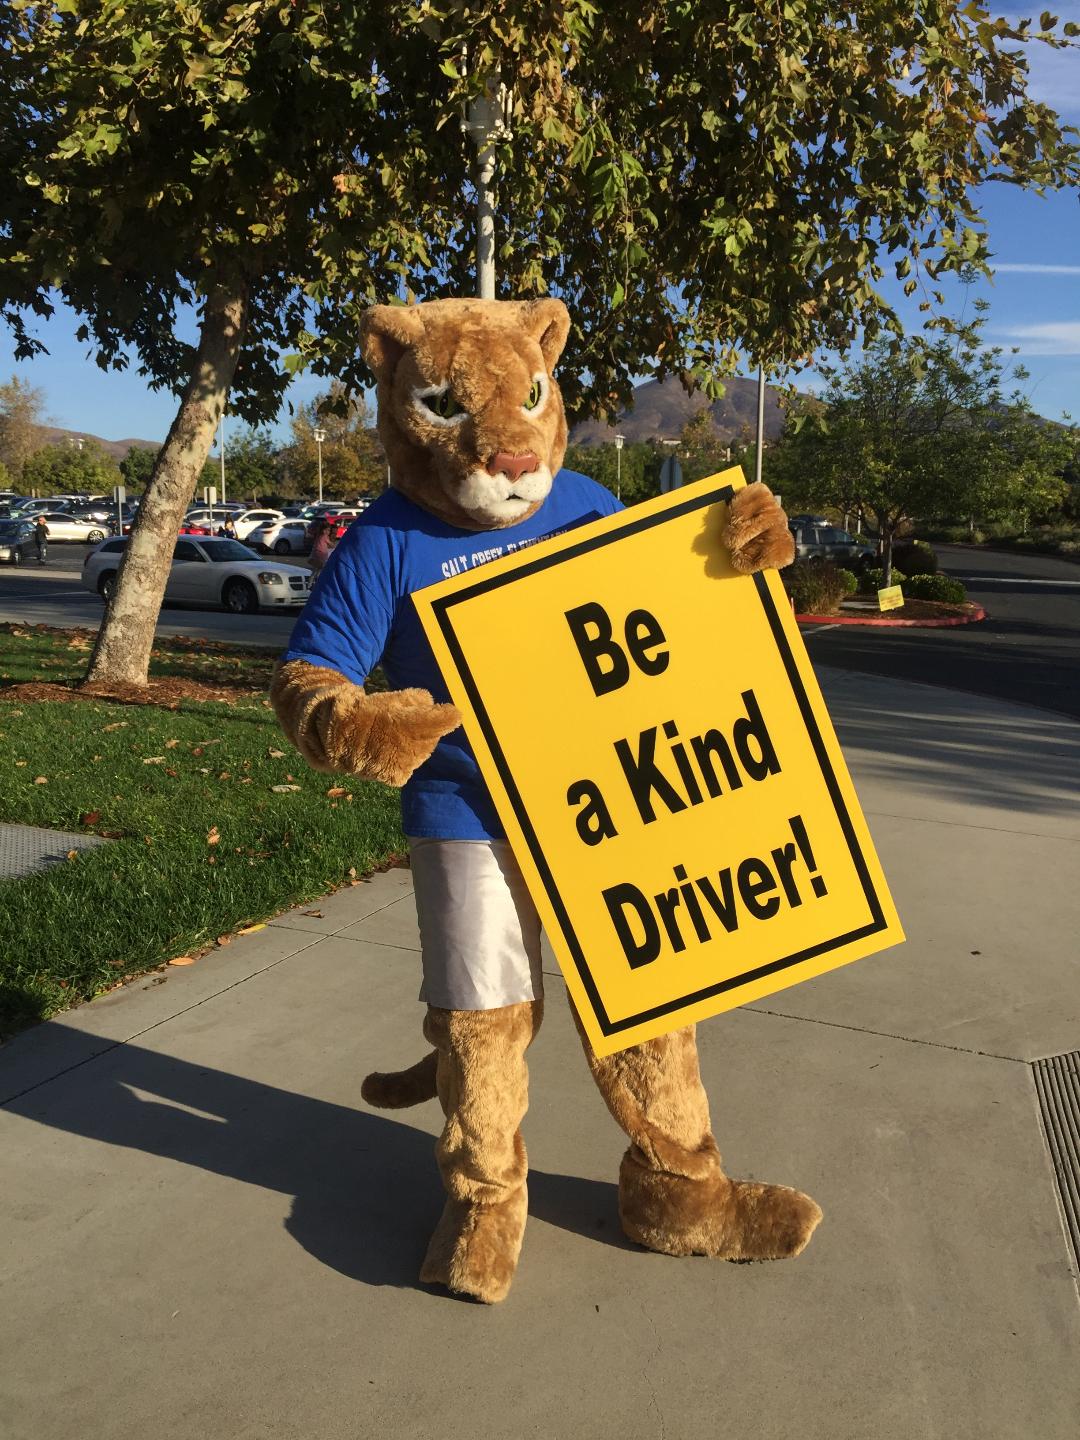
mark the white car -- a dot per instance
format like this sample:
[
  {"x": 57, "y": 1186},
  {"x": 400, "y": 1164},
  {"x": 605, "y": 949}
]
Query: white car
[
  {"x": 251, "y": 519},
  {"x": 209, "y": 571},
  {"x": 283, "y": 537},
  {"x": 65, "y": 526}
]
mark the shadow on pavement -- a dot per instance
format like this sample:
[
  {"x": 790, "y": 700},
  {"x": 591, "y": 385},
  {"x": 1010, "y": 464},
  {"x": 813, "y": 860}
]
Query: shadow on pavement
[
  {"x": 366, "y": 1189},
  {"x": 934, "y": 743}
]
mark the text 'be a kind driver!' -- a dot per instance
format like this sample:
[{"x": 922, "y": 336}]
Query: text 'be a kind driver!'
[{"x": 665, "y": 773}]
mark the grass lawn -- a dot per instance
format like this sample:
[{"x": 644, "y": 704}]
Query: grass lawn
[{"x": 205, "y": 843}]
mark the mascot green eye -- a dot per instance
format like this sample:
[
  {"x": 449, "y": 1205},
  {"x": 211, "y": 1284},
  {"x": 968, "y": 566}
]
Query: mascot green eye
[
  {"x": 535, "y": 395},
  {"x": 444, "y": 405}
]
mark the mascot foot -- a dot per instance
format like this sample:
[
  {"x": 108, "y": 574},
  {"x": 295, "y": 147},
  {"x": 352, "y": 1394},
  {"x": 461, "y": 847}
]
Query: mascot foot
[
  {"x": 712, "y": 1215},
  {"x": 475, "y": 1248}
]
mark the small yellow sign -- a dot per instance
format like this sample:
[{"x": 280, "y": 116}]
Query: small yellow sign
[
  {"x": 890, "y": 597},
  {"x": 661, "y": 757}
]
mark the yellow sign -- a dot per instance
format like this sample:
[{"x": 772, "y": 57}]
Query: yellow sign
[
  {"x": 660, "y": 755},
  {"x": 890, "y": 597}
]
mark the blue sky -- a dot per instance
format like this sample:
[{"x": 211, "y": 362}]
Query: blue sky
[{"x": 1034, "y": 298}]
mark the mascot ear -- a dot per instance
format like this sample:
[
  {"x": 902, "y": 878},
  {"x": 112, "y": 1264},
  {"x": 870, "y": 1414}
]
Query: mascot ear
[
  {"x": 386, "y": 332},
  {"x": 548, "y": 322}
]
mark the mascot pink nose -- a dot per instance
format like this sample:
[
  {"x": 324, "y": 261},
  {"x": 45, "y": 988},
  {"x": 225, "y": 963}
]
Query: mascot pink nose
[{"x": 502, "y": 462}]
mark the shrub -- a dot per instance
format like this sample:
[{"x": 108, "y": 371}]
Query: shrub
[
  {"x": 849, "y": 580},
  {"x": 815, "y": 589},
  {"x": 915, "y": 557},
  {"x": 935, "y": 587},
  {"x": 871, "y": 581}
]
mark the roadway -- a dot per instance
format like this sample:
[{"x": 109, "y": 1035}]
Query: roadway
[
  {"x": 1027, "y": 651},
  {"x": 53, "y": 594}
]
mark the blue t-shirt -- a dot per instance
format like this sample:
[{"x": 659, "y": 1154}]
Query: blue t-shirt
[{"x": 360, "y": 613}]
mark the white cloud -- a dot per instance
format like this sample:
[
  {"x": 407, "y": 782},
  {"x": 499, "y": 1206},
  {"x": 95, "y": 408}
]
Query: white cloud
[
  {"x": 1021, "y": 269},
  {"x": 1056, "y": 337}
]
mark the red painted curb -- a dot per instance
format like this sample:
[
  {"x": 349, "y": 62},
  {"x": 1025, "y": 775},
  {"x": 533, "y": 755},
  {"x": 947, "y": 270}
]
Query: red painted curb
[{"x": 882, "y": 620}]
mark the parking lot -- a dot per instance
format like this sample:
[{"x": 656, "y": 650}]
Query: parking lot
[{"x": 53, "y": 594}]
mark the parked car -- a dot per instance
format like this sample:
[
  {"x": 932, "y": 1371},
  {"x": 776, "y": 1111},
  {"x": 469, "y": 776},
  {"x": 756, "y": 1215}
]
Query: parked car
[
  {"x": 64, "y": 525},
  {"x": 340, "y": 520},
  {"x": 94, "y": 510},
  {"x": 209, "y": 571},
  {"x": 249, "y": 519},
  {"x": 818, "y": 540},
  {"x": 195, "y": 527},
  {"x": 283, "y": 537},
  {"x": 17, "y": 541}
]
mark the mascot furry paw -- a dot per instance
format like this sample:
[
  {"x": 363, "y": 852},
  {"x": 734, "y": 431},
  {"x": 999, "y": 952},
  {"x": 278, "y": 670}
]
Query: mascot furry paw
[{"x": 472, "y": 421}]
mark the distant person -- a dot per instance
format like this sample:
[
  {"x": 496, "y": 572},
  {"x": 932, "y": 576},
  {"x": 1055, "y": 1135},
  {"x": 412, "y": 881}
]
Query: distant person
[
  {"x": 41, "y": 539},
  {"x": 228, "y": 530},
  {"x": 322, "y": 542}
]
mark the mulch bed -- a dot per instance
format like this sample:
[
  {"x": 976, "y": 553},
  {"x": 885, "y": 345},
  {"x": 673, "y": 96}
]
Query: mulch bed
[
  {"x": 931, "y": 613},
  {"x": 167, "y": 694}
]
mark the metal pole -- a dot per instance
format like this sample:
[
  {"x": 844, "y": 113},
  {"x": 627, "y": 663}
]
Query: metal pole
[
  {"x": 619, "y": 439},
  {"x": 318, "y": 445},
  {"x": 760, "y": 421},
  {"x": 485, "y": 222},
  {"x": 221, "y": 442},
  {"x": 486, "y": 120}
]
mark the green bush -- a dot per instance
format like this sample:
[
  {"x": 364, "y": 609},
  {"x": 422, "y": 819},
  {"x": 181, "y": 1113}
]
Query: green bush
[
  {"x": 849, "y": 580},
  {"x": 915, "y": 557},
  {"x": 815, "y": 589},
  {"x": 871, "y": 581},
  {"x": 935, "y": 587}
]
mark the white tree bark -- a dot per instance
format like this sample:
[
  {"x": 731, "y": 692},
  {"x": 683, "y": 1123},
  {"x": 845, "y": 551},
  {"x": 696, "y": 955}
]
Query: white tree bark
[{"x": 122, "y": 652}]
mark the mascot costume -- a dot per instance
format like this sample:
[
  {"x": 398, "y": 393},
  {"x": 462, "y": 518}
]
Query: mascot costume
[{"x": 473, "y": 424}]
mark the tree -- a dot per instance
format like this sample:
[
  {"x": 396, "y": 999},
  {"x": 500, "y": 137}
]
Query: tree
[
  {"x": 352, "y": 458},
  {"x": 169, "y": 157},
  {"x": 250, "y": 465},
  {"x": 70, "y": 470},
  {"x": 21, "y": 418},
  {"x": 700, "y": 184},
  {"x": 137, "y": 466},
  {"x": 702, "y": 451},
  {"x": 921, "y": 431}
]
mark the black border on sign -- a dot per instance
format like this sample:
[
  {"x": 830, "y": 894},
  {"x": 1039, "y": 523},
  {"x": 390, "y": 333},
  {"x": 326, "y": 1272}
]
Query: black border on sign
[{"x": 442, "y": 608}]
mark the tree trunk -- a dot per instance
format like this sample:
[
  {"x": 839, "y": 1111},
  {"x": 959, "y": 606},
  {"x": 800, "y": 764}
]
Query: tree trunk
[
  {"x": 122, "y": 651},
  {"x": 886, "y": 555}
]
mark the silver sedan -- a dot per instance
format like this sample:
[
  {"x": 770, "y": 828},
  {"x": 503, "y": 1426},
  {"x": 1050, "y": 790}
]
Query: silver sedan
[{"x": 210, "y": 571}]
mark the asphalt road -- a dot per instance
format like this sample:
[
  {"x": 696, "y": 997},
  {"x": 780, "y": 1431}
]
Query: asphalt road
[
  {"x": 53, "y": 594},
  {"x": 1028, "y": 650}
]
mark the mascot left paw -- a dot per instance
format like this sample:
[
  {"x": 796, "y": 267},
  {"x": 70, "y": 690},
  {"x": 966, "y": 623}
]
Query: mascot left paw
[
  {"x": 757, "y": 534},
  {"x": 474, "y": 1250},
  {"x": 712, "y": 1215}
]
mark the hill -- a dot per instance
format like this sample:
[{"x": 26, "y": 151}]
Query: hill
[
  {"x": 116, "y": 449},
  {"x": 661, "y": 408}
]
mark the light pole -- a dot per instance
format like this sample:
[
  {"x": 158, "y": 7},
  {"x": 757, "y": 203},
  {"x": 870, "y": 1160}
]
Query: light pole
[
  {"x": 319, "y": 435},
  {"x": 221, "y": 447},
  {"x": 487, "y": 120},
  {"x": 619, "y": 440},
  {"x": 760, "y": 420}
]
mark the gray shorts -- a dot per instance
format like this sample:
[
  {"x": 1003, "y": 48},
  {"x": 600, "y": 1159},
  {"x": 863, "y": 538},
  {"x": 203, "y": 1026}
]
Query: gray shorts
[{"x": 479, "y": 930}]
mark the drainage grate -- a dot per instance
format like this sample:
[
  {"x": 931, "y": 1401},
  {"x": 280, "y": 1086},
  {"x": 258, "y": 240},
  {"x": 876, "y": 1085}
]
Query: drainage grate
[
  {"x": 25, "y": 849},
  {"x": 1057, "y": 1080}
]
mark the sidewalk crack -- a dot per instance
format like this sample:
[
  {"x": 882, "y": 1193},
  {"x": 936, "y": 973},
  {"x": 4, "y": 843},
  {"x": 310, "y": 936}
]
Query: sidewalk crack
[{"x": 886, "y": 1035}]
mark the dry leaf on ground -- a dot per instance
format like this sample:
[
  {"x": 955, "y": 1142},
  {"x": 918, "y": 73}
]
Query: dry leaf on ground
[
  {"x": 90, "y": 817},
  {"x": 213, "y": 835},
  {"x": 335, "y": 791},
  {"x": 116, "y": 725},
  {"x": 44, "y": 780},
  {"x": 283, "y": 789},
  {"x": 276, "y": 754},
  {"x": 183, "y": 960},
  {"x": 73, "y": 854},
  {"x": 154, "y": 760}
]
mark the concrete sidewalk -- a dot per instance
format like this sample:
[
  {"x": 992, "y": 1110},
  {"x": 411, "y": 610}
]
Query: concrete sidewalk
[{"x": 207, "y": 1233}]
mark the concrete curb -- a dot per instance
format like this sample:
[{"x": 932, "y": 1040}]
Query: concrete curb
[{"x": 883, "y": 620}]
